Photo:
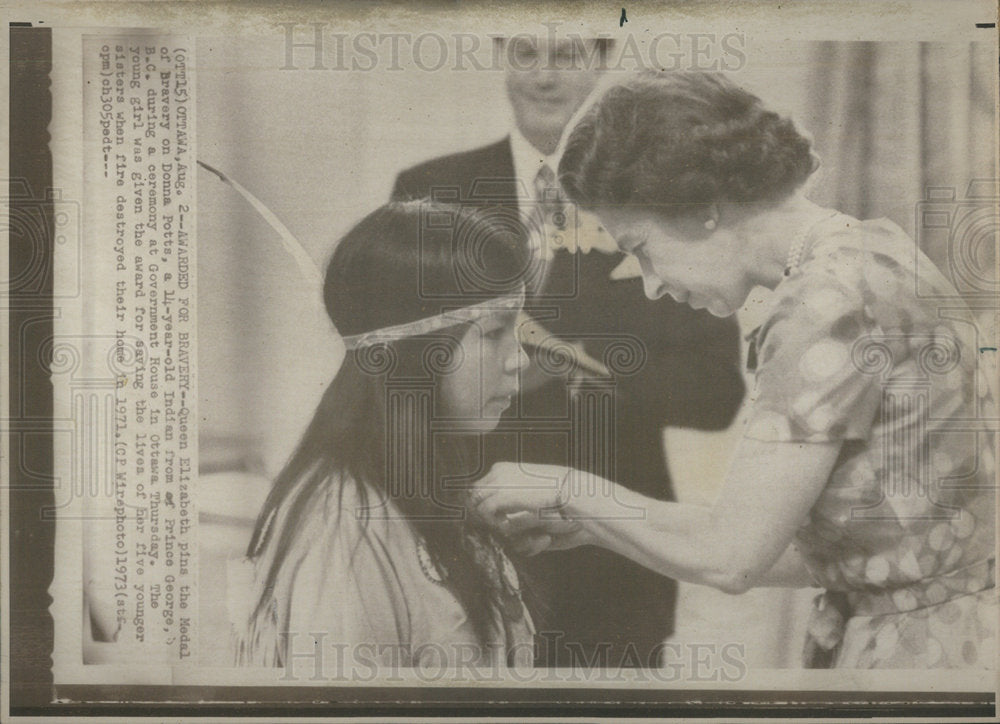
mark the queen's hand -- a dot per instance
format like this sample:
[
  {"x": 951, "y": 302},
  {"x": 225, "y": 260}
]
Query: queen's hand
[{"x": 532, "y": 506}]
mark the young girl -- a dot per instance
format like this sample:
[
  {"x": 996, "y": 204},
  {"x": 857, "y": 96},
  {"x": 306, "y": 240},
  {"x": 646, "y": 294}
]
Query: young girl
[{"x": 364, "y": 546}]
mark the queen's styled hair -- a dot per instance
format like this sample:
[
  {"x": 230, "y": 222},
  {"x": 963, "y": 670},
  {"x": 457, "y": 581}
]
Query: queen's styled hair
[
  {"x": 679, "y": 140},
  {"x": 403, "y": 262}
]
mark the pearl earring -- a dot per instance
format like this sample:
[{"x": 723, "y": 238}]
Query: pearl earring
[{"x": 710, "y": 224}]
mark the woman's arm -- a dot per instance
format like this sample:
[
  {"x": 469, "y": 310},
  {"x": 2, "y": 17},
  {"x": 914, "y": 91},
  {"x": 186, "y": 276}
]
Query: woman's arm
[{"x": 730, "y": 545}]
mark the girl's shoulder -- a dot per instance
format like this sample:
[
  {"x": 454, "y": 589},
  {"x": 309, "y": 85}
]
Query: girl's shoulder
[
  {"x": 332, "y": 511},
  {"x": 344, "y": 509}
]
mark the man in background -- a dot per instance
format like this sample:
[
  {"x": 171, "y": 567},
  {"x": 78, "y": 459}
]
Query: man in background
[{"x": 591, "y": 607}]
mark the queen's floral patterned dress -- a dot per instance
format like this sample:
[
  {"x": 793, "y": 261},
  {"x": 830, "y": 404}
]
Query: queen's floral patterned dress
[{"x": 870, "y": 345}]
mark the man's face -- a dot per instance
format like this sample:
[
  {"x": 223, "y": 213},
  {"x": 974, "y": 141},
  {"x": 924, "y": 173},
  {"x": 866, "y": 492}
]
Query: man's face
[{"x": 547, "y": 81}]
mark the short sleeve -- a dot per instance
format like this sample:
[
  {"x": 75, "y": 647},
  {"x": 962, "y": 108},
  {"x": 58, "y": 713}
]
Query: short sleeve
[{"x": 808, "y": 387}]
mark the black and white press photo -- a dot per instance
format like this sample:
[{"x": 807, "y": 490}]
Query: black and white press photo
[{"x": 371, "y": 360}]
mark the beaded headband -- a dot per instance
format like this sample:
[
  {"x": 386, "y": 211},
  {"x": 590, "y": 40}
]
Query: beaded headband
[
  {"x": 432, "y": 324},
  {"x": 385, "y": 334}
]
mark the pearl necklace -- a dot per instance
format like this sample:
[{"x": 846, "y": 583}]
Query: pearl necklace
[{"x": 798, "y": 246}]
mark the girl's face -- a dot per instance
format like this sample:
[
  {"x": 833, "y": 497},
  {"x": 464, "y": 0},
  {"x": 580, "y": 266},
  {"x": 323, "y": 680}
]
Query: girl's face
[
  {"x": 704, "y": 269},
  {"x": 486, "y": 378}
]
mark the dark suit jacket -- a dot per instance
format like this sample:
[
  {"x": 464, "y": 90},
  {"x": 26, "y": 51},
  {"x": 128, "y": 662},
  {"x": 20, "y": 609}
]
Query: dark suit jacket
[{"x": 589, "y": 602}]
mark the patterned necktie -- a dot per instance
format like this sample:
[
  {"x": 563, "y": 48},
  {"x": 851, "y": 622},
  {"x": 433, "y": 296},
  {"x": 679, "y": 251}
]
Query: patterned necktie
[
  {"x": 549, "y": 198},
  {"x": 547, "y": 218}
]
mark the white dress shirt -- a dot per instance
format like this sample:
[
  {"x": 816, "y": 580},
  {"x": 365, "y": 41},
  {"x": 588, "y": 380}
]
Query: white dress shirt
[{"x": 528, "y": 161}]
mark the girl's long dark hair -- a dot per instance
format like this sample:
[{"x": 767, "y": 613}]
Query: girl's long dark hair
[{"x": 401, "y": 263}]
